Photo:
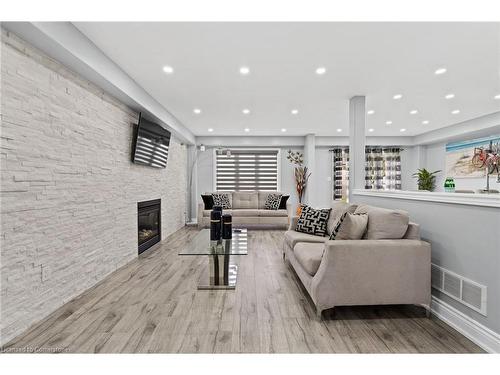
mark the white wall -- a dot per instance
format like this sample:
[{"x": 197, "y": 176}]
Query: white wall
[
  {"x": 464, "y": 240},
  {"x": 322, "y": 177},
  {"x": 69, "y": 190},
  {"x": 436, "y": 160}
]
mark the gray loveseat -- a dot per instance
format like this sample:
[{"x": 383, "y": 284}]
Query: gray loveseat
[
  {"x": 247, "y": 208},
  {"x": 370, "y": 271}
]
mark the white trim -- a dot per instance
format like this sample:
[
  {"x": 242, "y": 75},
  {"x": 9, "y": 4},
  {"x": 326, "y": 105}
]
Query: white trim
[
  {"x": 485, "y": 200},
  {"x": 473, "y": 330}
]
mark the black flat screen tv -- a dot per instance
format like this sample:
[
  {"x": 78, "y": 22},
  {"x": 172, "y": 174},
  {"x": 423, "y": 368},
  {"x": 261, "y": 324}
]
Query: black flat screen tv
[{"x": 151, "y": 143}]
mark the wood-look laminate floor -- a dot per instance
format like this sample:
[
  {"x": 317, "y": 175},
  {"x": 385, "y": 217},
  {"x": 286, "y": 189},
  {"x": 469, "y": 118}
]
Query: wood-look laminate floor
[{"x": 152, "y": 305}]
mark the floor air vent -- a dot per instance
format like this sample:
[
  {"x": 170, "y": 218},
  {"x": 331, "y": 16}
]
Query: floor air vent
[{"x": 468, "y": 292}]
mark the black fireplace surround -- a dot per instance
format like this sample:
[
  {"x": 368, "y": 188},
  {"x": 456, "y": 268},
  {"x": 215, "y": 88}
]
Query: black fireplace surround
[{"x": 149, "y": 224}]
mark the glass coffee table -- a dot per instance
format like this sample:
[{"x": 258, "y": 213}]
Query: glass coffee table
[{"x": 221, "y": 272}]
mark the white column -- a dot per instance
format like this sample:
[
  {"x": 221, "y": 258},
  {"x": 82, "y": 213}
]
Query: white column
[
  {"x": 421, "y": 156},
  {"x": 357, "y": 118},
  {"x": 310, "y": 162}
]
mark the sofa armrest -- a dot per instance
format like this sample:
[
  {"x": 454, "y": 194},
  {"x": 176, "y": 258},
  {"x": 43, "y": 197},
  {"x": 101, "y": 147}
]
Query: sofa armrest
[
  {"x": 374, "y": 272},
  {"x": 293, "y": 222},
  {"x": 199, "y": 214}
]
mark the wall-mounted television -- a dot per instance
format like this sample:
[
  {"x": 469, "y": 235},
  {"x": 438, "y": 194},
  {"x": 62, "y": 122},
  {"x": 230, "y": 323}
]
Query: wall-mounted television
[{"x": 151, "y": 143}]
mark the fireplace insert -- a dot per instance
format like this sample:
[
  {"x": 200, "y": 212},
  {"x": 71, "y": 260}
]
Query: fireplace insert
[{"x": 149, "y": 224}]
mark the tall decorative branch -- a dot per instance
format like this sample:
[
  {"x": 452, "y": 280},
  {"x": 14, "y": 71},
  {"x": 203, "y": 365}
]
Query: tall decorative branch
[{"x": 301, "y": 172}]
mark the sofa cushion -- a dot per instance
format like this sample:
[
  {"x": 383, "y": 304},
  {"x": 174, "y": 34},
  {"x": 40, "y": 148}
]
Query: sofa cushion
[
  {"x": 245, "y": 199},
  {"x": 313, "y": 221},
  {"x": 245, "y": 212},
  {"x": 383, "y": 223},
  {"x": 222, "y": 199},
  {"x": 292, "y": 238},
  {"x": 263, "y": 197},
  {"x": 309, "y": 255},
  {"x": 272, "y": 201},
  {"x": 338, "y": 209},
  {"x": 273, "y": 213},
  {"x": 350, "y": 227},
  {"x": 206, "y": 213}
]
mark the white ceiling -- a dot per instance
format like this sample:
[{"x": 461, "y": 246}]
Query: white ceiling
[{"x": 378, "y": 60}]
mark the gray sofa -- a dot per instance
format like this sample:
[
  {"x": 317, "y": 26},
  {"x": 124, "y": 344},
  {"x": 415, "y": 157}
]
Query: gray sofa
[
  {"x": 248, "y": 209},
  {"x": 370, "y": 271}
]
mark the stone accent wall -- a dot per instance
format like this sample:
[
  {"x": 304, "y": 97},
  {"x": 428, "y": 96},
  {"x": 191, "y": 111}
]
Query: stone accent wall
[{"x": 69, "y": 191}]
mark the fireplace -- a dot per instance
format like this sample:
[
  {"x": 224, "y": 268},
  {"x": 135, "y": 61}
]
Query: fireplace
[{"x": 149, "y": 224}]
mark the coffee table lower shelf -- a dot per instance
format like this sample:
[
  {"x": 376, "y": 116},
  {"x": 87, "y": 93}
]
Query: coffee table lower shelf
[{"x": 220, "y": 273}]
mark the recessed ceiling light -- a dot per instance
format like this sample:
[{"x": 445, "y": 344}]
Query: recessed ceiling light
[
  {"x": 455, "y": 112},
  {"x": 413, "y": 112},
  {"x": 402, "y": 130},
  {"x": 168, "y": 69},
  {"x": 283, "y": 130},
  {"x": 210, "y": 130},
  {"x": 370, "y": 112},
  {"x": 321, "y": 70},
  {"x": 440, "y": 71},
  {"x": 388, "y": 122},
  {"x": 339, "y": 130},
  {"x": 197, "y": 111},
  {"x": 246, "y": 130},
  {"x": 425, "y": 122},
  {"x": 295, "y": 111},
  {"x": 449, "y": 96},
  {"x": 497, "y": 96},
  {"x": 246, "y": 111},
  {"x": 244, "y": 70},
  {"x": 371, "y": 130},
  {"x": 397, "y": 96}
]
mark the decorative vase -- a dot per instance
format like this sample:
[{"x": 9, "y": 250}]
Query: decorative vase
[
  {"x": 215, "y": 225},
  {"x": 449, "y": 185},
  {"x": 227, "y": 226}
]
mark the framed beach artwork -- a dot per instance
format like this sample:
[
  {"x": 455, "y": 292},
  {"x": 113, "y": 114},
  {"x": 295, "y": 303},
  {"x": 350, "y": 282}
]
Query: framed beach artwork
[{"x": 459, "y": 157}]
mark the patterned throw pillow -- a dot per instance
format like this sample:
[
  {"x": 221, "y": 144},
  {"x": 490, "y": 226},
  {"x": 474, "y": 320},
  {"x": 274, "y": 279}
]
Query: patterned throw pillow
[
  {"x": 221, "y": 200},
  {"x": 312, "y": 221},
  {"x": 350, "y": 227},
  {"x": 272, "y": 201}
]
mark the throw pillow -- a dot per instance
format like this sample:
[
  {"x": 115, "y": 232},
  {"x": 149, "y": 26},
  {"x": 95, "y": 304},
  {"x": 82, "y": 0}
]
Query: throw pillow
[
  {"x": 350, "y": 227},
  {"x": 283, "y": 200},
  {"x": 312, "y": 221},
  {"x": 222, "y": 200},
  {"x": 272, "y": 202},
  {"x": 208, "y": 200}
]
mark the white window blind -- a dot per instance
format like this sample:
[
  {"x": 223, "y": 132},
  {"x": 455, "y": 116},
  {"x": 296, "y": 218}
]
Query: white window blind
[{"x": 246, "y": 170}]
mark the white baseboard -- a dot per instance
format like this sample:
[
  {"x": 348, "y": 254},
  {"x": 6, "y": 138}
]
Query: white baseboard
[{"x": 474, "y": 331}]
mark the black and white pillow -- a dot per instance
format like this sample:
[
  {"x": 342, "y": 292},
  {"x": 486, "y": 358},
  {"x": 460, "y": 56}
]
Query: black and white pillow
[
  {"x": 221, "y": 200},
  {"x": 272, "y": 201},
  {"x": 313, "y": 221}
]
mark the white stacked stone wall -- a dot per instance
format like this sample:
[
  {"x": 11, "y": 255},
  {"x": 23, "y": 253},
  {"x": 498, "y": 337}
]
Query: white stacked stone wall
[{"x": 69, "y": 191}]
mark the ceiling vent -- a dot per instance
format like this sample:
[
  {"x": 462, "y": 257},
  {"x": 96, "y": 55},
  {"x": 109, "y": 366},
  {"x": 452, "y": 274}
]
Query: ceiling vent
[{"x": 467, "y": 292}]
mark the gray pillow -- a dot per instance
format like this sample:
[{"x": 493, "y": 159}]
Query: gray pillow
[
  {"x": 350, "y": 227},
  {"x": 384, "y": 223},
  {"x": 338, "y": 209}
]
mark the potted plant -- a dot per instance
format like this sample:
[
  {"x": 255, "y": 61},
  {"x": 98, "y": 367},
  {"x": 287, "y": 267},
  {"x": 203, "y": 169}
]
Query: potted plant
[
  {"x": 426, "y": 180},
  {"x": 301, "y": 174}
]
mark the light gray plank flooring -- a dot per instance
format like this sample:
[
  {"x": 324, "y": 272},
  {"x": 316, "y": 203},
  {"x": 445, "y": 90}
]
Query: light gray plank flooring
[{"x": 152, "y": 305}]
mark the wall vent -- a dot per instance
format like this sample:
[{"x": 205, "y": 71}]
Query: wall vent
[{"x": 467, "y": 292}]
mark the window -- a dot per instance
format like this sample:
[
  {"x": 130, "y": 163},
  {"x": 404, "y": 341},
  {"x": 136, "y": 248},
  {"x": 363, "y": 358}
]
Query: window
[
  {"x": 382, "y": 169},
  {"x": 246, "y": 170}
]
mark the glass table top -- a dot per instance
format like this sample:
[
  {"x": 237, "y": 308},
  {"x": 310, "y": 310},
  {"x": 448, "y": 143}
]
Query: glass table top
[{"x": 201, "y": 244}]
